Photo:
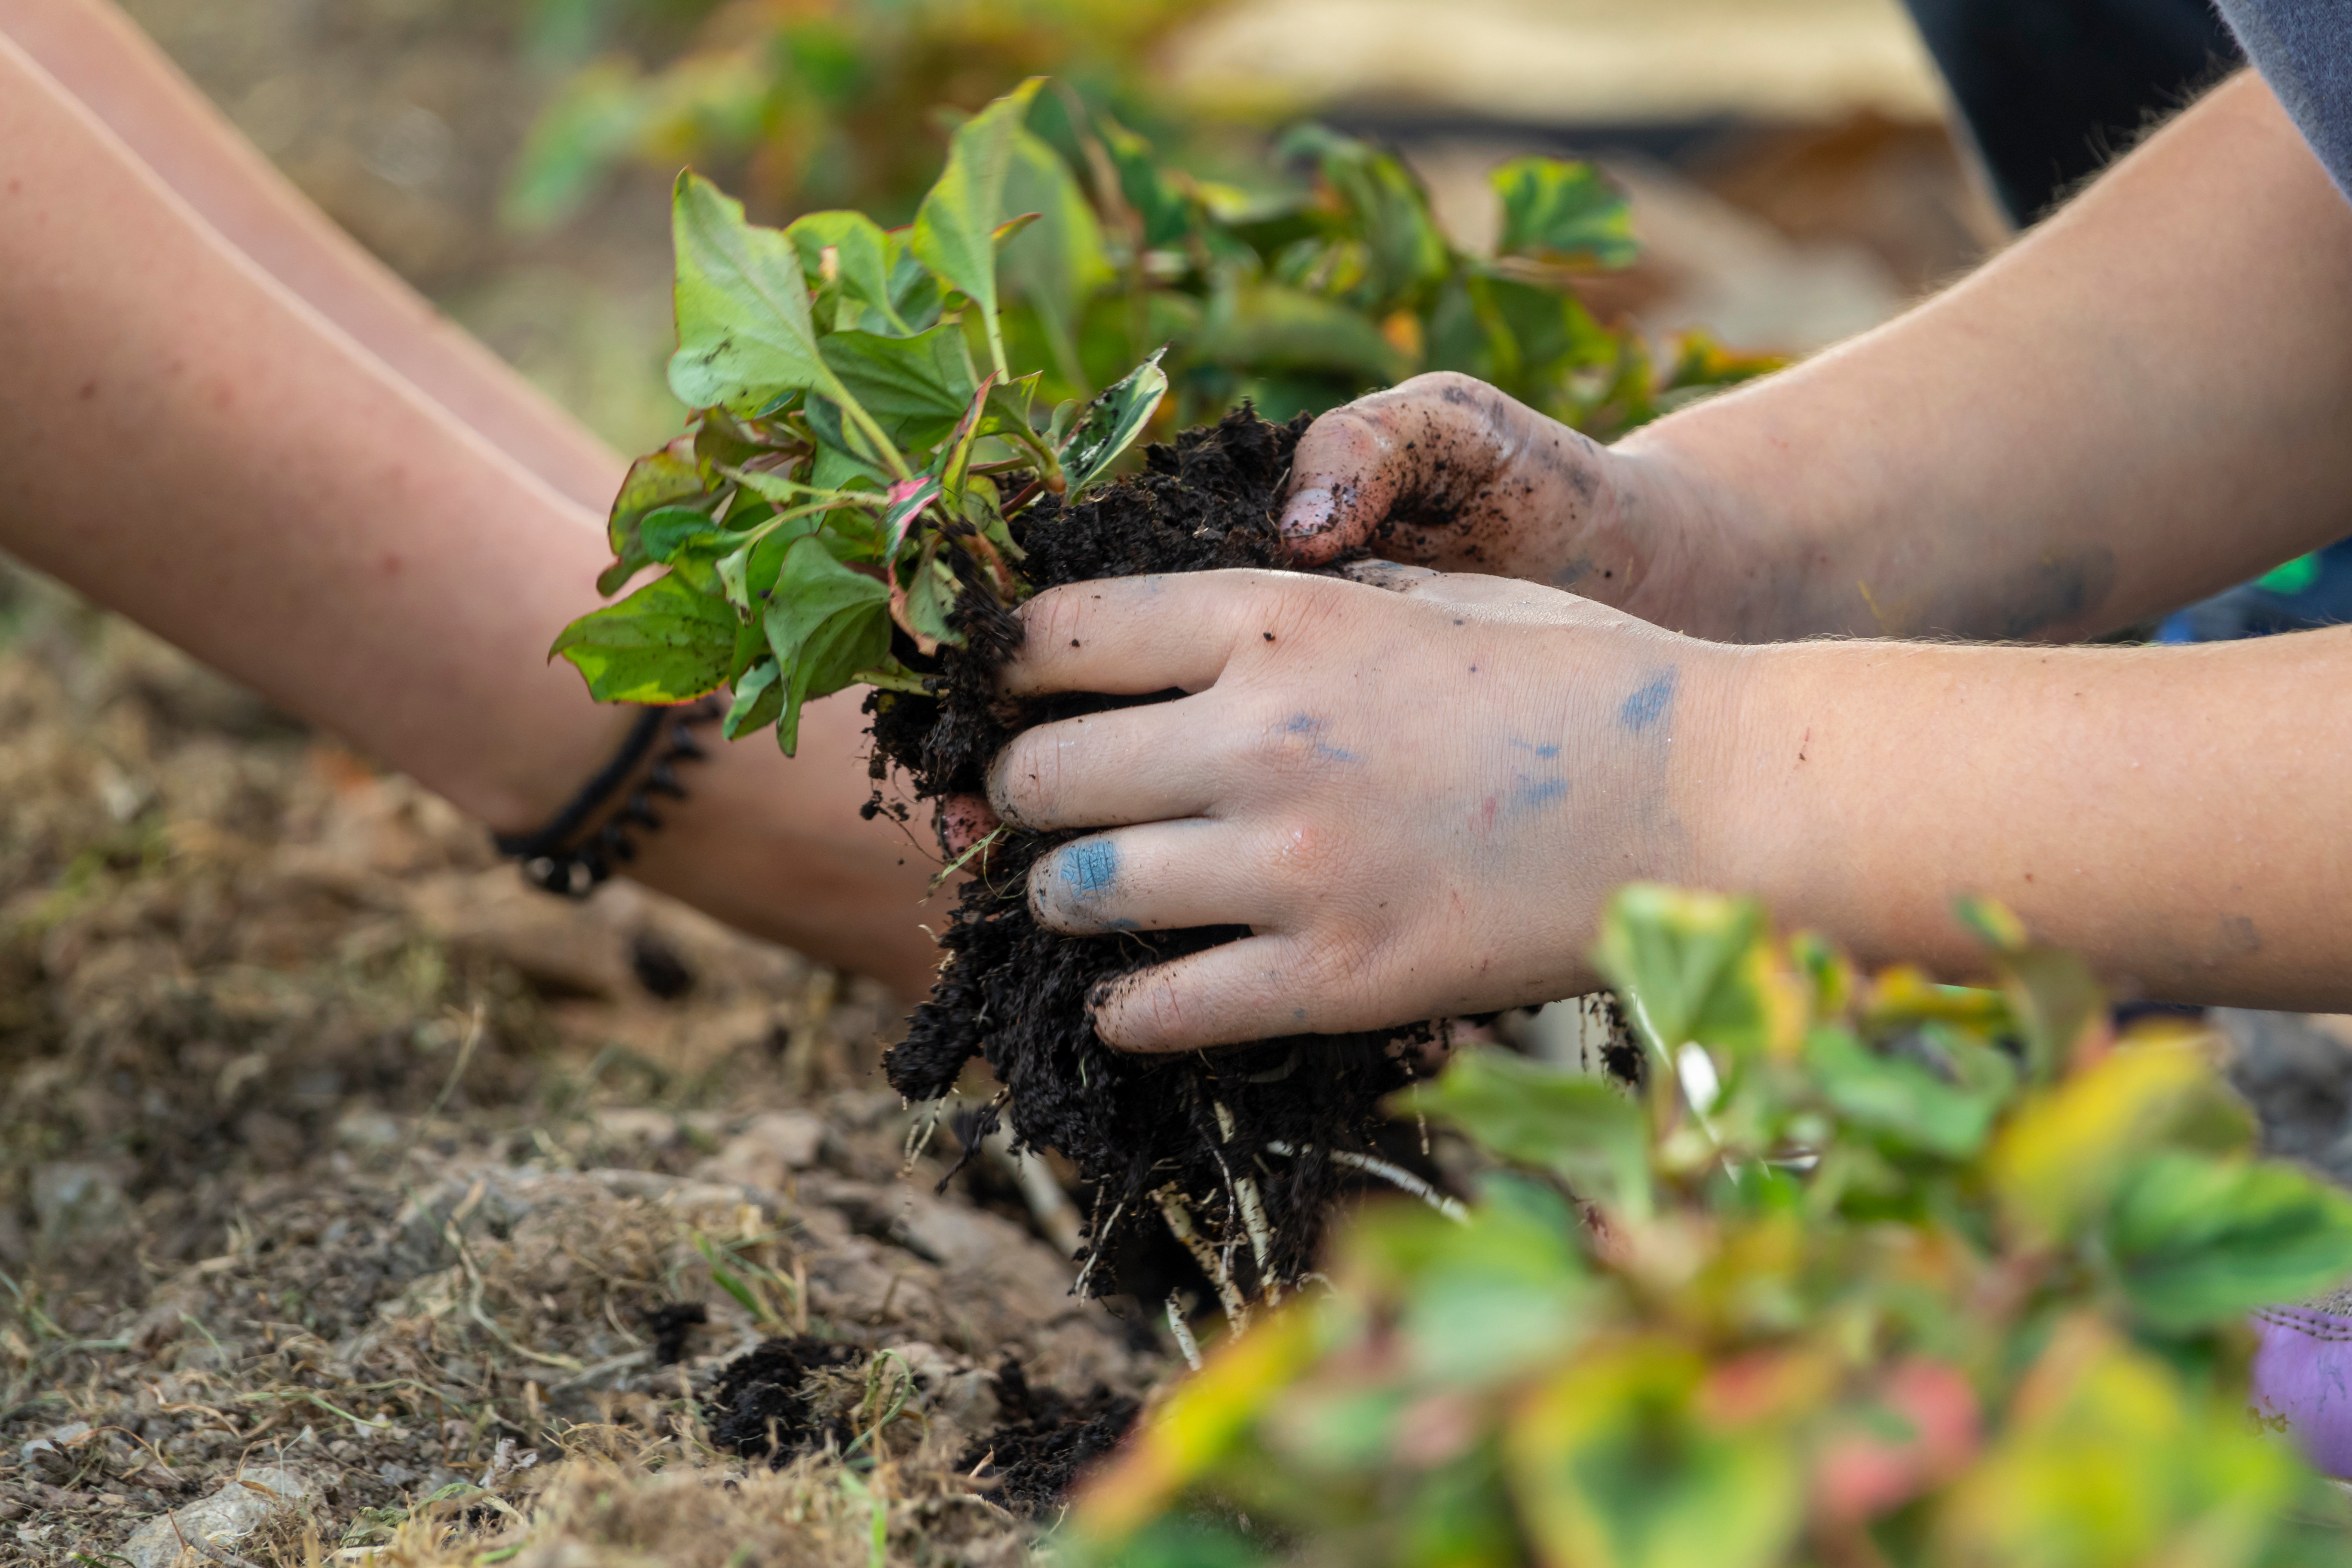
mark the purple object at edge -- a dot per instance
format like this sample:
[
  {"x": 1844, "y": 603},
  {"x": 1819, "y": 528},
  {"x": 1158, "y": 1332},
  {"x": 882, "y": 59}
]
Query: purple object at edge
[{"x": 2303, "y": 1374}]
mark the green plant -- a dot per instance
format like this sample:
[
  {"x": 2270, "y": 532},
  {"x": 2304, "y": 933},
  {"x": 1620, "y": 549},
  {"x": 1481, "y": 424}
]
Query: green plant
[
  {"x": 875, "y": 409},
  {"x": 1869, "y": 1271},
  {"x": 848, "y": 466}
]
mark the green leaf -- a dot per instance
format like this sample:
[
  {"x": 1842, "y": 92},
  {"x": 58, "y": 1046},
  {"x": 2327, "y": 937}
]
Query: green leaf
[
  {"x": 2200, "y": 1240},
  {"x": 1481, "y": 1297},
  {"x": 825, "y": 624},
  {"x": 955, "y": 228},
  {"x": 1614, "y": 1468},
  {"x": 1405, "y": 253},
  {"x": 670, "y": 528},
  {"x": 1057, "y": 263},
  {"x": 744, "y": 335},
  {"x": 931, "y": 597},
  {"x": 658, "y": 480},
  {"x": 1167, "y": 215},
  {"x": 850, "y": 250},
  {"x": 1559, "y": 209},
  {"x": 1111, "y": 425},
  {"x": 1905, "y": 1101},
  {"x": 1592, "y": 1135},
  {"x": 1266, "y": 327},
  {"x": 904, "y": 382},
  {"x": 759, "y": 700},
  {"x": 665, "y": 642},
  {"x": 1683, "y": 966}
]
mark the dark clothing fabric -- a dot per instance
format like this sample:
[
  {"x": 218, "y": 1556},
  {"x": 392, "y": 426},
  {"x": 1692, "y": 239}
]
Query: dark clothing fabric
[
  {"x": 2051, "y": 88},
  {"x": 2304, "y": 49}
]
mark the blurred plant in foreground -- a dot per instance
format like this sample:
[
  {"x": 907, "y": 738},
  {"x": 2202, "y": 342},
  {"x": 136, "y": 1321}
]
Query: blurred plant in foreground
[{"x": 1869, "y": 1271}]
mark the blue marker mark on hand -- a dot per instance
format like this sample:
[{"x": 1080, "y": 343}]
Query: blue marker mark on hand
[
  {"x": 1308, "y": 725},
  {"x": 1090, "y": 866},
  {"x": 1651, "y": 703}
]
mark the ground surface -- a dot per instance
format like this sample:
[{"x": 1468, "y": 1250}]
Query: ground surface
[{"x": 332, "y": 1156}]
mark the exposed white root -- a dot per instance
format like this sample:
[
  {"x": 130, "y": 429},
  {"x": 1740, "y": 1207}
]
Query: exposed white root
[
  {"x": 1395, "y": 1175},
  {"x": 1179, "y": 1225},
  {"x": 1252, "y": 1209},
  {"x": 1183, "y": 1332}
]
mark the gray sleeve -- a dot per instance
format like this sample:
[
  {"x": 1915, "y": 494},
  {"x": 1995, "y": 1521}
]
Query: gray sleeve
[{"x": 2304, "y": 49}]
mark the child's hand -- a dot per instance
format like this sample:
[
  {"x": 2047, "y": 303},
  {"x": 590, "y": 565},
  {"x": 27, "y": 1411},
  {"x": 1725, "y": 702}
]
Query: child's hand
[
  {"x": 1415, "y": 799},
  {"x": 1446, "y": 471}
]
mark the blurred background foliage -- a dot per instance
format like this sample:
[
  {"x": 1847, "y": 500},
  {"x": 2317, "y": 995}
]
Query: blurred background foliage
[
  {"x": 1790, "y": 178},
  {"x": 802, "y": 104}
]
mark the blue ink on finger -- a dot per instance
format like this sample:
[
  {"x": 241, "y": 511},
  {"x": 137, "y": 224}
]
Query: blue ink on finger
[
  {"x": 1090, "y": 866},
  {"x": 1311, "y": 726},
  {"x": 1547, "y": 753},
  {"x": 1650, "y": 704}
]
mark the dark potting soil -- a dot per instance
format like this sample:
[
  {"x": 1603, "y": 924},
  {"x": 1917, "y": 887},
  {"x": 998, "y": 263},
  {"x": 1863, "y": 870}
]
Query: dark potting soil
[
  {"x": 758, "y": 1408},
  {"x": 1211, "y": 1128},
  {"x": 1048, "y": 1440}
]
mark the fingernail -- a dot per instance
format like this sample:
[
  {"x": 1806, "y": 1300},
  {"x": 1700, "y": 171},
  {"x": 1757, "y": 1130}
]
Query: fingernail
[{"x": 1309, "y": 513}]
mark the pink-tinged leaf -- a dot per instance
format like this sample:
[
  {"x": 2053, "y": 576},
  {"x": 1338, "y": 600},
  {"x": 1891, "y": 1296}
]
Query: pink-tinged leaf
[
  {"x": 960, "y": 445},
  {"x": 908, "y": 499}
]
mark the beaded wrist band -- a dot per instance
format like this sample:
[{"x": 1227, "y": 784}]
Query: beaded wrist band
[{"x": 585, "y": 842}]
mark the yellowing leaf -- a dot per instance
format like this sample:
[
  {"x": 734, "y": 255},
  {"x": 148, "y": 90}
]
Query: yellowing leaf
[
  {"x": 2108, "y": 1463},
  {"x": 2061, "y": 1160},
  {"x": 665, "y": 642},
  {"x": 1210, "y": 1412},
  {"x": 1612, "y": 1467}
]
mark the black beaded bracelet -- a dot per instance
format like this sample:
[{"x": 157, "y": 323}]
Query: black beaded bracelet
[{"x": 583, "y": 843}]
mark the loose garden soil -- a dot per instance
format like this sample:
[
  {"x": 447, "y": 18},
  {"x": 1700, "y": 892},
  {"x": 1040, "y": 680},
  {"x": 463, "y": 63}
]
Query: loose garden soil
[{"x": 1244, "y": 1148}]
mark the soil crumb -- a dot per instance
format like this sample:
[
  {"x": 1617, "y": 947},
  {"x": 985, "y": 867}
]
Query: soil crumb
[
  {"x": 1047, "y": 1441},
  {"x": 763, "y": 1404}
]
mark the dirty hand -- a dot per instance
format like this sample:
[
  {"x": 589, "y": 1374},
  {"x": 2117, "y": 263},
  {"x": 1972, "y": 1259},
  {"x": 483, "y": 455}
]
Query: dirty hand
[
  {"x": 1415, "y": 800},
  {"x": 1446, "y": 471}
]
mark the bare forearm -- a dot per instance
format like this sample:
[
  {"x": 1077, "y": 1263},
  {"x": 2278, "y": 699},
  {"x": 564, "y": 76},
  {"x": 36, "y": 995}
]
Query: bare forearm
[
  {"x": 2143, "y": 400},
  {"x": 194, "y": 448},
  {"x": 2176, "y": 814},
  {"x": 120, "y": 76}
]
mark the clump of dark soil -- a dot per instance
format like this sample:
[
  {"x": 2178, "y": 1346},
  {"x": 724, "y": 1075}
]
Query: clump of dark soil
[
  {"x": 1047, "y": 1441},
  {"x": 1240, "y": 1142},
  {"x": 761, "y": 1407},
  {"x": 670, "y": 1323}
]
